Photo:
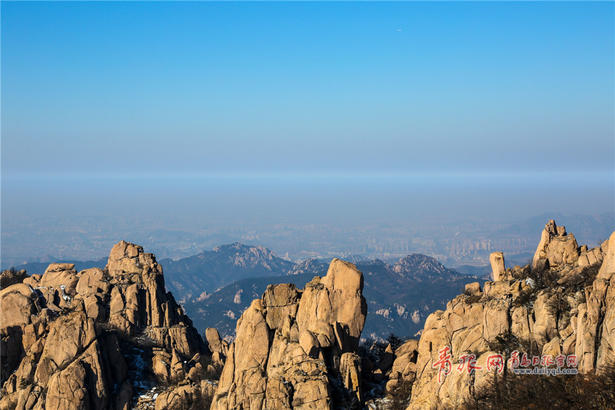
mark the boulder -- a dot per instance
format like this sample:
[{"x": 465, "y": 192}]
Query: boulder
[
  {"x": 281, "y": 302},
  {"x": 350, "y": 370},
  {"x": 60, "y": 276},
  {"x": 10, "y": 277},
  {"x": 17, "y": 303},
  {"x": 498, "y": 270},
  {"x": 556, "y": 247},
  {"x": 333, "y": 307},
  {"x": 214, "y": 342}
]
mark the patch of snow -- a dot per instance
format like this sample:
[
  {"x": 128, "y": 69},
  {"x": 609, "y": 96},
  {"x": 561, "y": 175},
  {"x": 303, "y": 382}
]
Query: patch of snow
[
  {"x": 237, "y": 298},
  {"x": 203, "y": 296},
  {"x": 416, "y": 317}
]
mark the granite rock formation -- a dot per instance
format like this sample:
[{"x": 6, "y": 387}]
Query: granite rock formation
[
  {"x": 563, "y": 303},
  {"x": 98, "y": 338},
  {"x": 297, "y": 348}
]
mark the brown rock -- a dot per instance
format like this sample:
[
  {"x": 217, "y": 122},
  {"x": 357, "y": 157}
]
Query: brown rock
[
  {"x": 10, "y": 277},
  {"x": 214, "y": 342},
  {"x": 334, "y": 306},
  {"x": 278, "y": 357},
  {"x": 17, "y": 303},
  {"x": 350, "y": 370},
  {"x": 92, "y": 282},
  {"x": 520, "y": 314},
  {"x": 186, "y": 397},
  {"x": 473, "y": 288},
  {"x": 280, "y": 301},
  {"x": 498, "y": 269},
  {"x": 556, "y": 247},
  {"x": 60, "y": 276},
  {"x": 60, "y": 347}
]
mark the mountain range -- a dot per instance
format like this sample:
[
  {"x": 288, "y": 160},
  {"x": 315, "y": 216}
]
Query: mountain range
[{"x": 399, "y": 295}]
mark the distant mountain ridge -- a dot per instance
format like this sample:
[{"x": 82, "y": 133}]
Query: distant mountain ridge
[
  {"x": 400, "y": 295},
  {"x": 210, "y": 270}
]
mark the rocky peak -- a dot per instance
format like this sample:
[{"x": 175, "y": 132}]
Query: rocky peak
[
  {"x": 310, "y": 266},
  {"x": 556, "y": 247},
  {"x": 498, "y": 266},
  {"x": 290, "y": 344},
  {"x": 607, "y": 268},
  {"x": 129, "y": 259},
  {"x": 563, "y": 303},
  {"x": 417, "y": 265},
  {"x": 244, "y": 255},
  {"x": 96, "y": 338}
]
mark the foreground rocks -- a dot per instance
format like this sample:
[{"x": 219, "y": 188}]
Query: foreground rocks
[
  {"x": 113, "y": 338},
  {"x": 98, "y": 339},
  {"x": 562, "y": 304},
  {"x": 297, "y": 348}
]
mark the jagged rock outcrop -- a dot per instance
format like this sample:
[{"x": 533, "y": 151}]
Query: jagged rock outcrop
[
  {"x": 400, "y": 295},
  {"x": 76, "y": 340},
  {"x": 556, "y": 247},
  {"x": 194, "y": 396},
  {"x": 562, "y": 304},
  {"x": 403, "y": 369},
  {"x": 498, "y": 268},
  {"x": 10, "y": 277},
  {"x": 218, "y": 349},
  {"x": 291, "y": 345}
]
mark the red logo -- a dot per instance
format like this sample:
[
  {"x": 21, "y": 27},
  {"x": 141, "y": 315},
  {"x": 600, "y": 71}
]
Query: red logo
[
  {"x": 470, "y": 360},
  {"x": 443, "y": 364},
  {"x": 495, "y": 362}
]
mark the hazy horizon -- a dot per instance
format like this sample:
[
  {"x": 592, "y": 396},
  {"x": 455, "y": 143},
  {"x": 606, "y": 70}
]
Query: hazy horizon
[
  {"x": 298, "y": 217},
  {"x": 310, "y": 128}
]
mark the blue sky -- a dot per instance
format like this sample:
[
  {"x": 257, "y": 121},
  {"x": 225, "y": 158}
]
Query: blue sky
[{"x": 307, "y": 88}]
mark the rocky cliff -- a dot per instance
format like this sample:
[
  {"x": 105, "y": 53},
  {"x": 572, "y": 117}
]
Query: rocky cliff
[
  {"x": 562, "y": 305},
  {"x": 297, "y": 348},
  {"x": 98, "y": 339}
]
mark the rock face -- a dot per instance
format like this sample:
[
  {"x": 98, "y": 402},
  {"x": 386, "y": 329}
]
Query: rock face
[
  {"x": 10, "y": 277},
  {"x": 96, "y": 338},
  {"x": 400, "y": 296},
  {"x": 404, "y": 366},
  {"x": 218, "y": 349},
  {"x": 290, "y": 344},
  {"x": 556, "y": 247},
  {"x": 498, "y": 269},
  {"x": 564, "y": 303}
]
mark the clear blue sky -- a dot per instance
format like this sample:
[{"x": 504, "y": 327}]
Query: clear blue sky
[{"x": 340, "y": 88}]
